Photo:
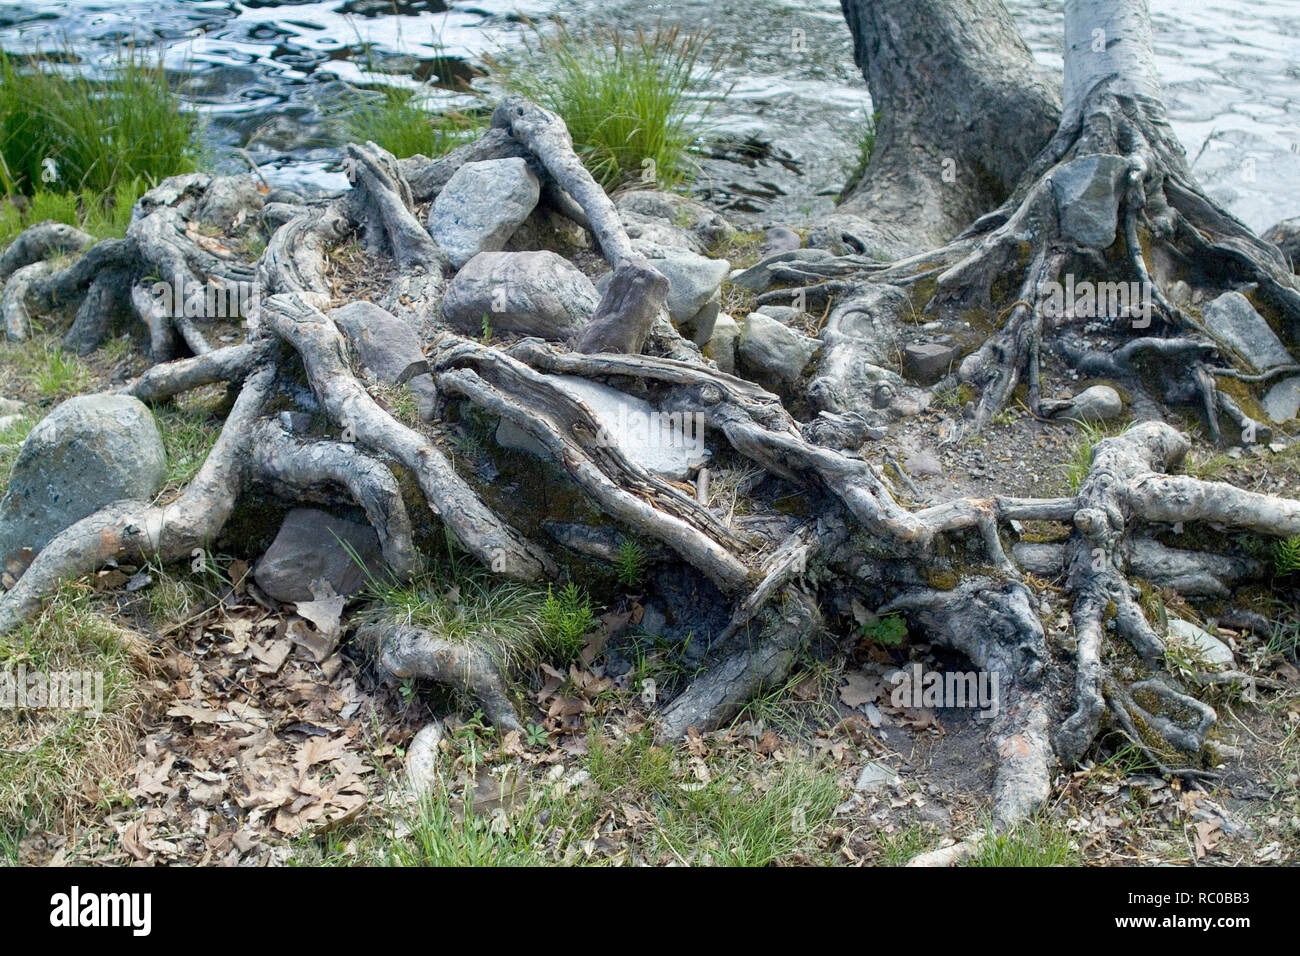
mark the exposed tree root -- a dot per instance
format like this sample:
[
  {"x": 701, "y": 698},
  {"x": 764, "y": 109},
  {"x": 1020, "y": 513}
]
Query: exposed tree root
[{"x": 781, "y": 573}]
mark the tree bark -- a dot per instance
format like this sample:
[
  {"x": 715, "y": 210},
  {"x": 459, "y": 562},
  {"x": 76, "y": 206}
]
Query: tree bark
[{"x": 963, "y": 108}]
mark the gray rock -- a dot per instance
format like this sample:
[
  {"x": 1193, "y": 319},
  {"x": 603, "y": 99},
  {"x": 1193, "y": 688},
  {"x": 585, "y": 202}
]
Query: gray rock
[
  {"x": 923, "y": 464},
  {"x": 308, "y": 557},
  {"x": 669, "y": 445},
  {"x": 11, "y": 406},
  {"x": 87, "y": 453},
  {"x": 692, "y": 282},
  {"x": 781, "y": 239},
  {"x": 1234, "y": 322},
  {"x": 532, "y": 293},
  {"x": 1214, "y": 650},
  {"x": 656, "y": 239},
  {"x": 768, "y": 348},
  {"x": 785, "y": 314},
  {"x": 388, "y": 348},
  {"x": 481, "y": 207},
  {"x": 1100, "y": 403},
  {"x": 874, "y": 776},
  {"x": 758, "y": 278},
  {"x": 927, "y": 362},
  {"x": 1087, "y": 192},
  {"x": 1282, "y": 401},
  {"x": 227, "y": 198},
  {"x": 722, "y": 344},
  {"x": 700, "y": 326},
  {"x": 1286, "y": 236},
  {"x": 703, "y": 223}
]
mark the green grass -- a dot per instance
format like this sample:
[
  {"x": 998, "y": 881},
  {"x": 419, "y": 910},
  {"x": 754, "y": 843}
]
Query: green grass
[
  {"x": 53, "y": 763},
  {"x": 391, "y": 118},
  {"x": 901, "y": 846},
  {"x": 629, "y": 566},
  {"x": 45, "y": 369},
  {"x": 1034, "y": 842},
  {"x": 463, "y": 606},
  {"x": 733, "y": 822},
  {"x": 865, "y": 144},
  {"x": 626, "y": 98},
  {"x": 99, "y": 135},
  {"x": 11, "y": 440},
  {"x": 104, "y": 216},
  {"x": 1286, "y": 555},
  {"x": 1079, "y": 457},
  {"x": 565, "y": 620},
  {"x": 189, "y": 429}
]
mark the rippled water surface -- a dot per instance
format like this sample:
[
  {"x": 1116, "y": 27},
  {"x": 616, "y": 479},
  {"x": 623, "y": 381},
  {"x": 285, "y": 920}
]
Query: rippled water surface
[{"x": 261, "y": 72}]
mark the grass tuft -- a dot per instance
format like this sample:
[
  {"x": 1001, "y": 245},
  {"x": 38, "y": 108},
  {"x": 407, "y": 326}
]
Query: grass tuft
[
  {"x": 1034, "y": 842},
  {"x": 626, "y": 98},
  {"x": 61, "y": 131},
  {"x": 392, "y": 118}
]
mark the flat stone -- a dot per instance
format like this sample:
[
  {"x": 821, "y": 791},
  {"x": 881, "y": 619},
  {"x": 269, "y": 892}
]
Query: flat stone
[
  {"x": 700, "y": 326},
  {"x": 923, "y": 464},
  {"x": 308, "y": 557},
  {"x": 1087, "y": 192},
  {"x": 785, "y": 314},
  {"x": 387, "y": 347},
  {"x": 88, "y": 452},
  {"x": 874, "y": 776},
  {"x": 1234, "y": 322},
  {"x": 531, "y": 293},
  {"x": 1282, "y": 401},
  {"x": 671, "y": 445},
  {"x": 632, "y": 298},
  {"x": 927, "y": 362},
  {"x": 772, "y": 351},
  {"x": 1214, "y": 650},
  {"x": 481, "y": 206}
]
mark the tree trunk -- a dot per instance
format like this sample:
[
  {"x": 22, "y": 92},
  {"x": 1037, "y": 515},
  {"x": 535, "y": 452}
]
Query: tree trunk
[{"x": 945, "y": 76}]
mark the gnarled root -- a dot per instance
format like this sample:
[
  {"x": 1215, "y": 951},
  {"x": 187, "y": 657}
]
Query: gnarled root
[
  {"x": 406, "y": 651},
  {"x": 763, "y": 660}
]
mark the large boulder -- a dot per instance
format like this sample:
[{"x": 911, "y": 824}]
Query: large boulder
[
  {"x": 312, "y": 554},
  {"x": 89, "y": 452},
  {"x": 481, "y": 207},
  {"x": 531, "y": 293}
]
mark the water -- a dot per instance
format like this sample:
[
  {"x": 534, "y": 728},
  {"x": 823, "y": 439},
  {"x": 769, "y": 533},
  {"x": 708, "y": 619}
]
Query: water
[{"x": 263, "y": 72}]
